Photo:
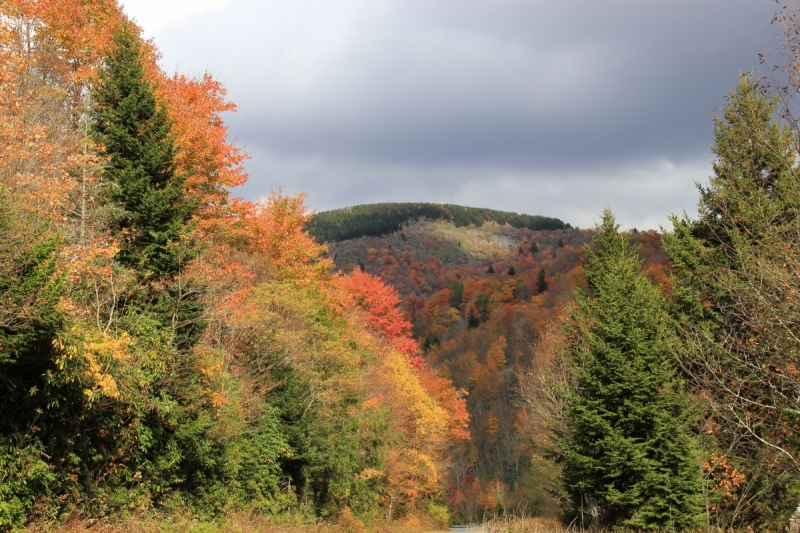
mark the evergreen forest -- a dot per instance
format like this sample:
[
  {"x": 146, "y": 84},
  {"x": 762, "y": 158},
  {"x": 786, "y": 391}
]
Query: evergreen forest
[
  {"x": 377, "y": 220},
  {"x": 174, "y": 357}
]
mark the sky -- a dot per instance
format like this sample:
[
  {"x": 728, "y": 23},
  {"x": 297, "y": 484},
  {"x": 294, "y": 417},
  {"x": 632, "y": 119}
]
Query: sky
[{"x": 538, "y": 106}]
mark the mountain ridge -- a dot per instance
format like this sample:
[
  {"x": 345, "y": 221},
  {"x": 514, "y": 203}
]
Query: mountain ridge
[{"x": 379, "y": 219}]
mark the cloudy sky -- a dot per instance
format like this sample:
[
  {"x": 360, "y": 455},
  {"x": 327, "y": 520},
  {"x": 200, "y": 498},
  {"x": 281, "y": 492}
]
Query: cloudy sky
[{"x": 546, "y": 107}]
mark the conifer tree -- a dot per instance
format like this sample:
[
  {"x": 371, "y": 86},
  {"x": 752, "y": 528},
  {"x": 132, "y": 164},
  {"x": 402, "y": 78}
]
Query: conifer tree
[
  {"x": 735, "y": 272},
  {"x": 457, "y": 296},
  {"x": 752, "y": 192},
  {"x": 473, "y": 321},
  {"x": 628, "y": 457},
  {"x": 135, "y": 131},
  {"x": 150, "y": 216},
  {"x": 541, "y": 282}
]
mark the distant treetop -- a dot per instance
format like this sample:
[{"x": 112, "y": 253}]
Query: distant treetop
[{"x": 375, "y": 220}]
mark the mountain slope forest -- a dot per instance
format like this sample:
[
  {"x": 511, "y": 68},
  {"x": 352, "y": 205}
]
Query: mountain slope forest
[
  {"x": 173, "y": 354},
  {"x": 480, "y": 298}
]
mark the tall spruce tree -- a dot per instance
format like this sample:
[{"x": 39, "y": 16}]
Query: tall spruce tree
[
  {"x": 752, "y": 192},
  {"x": 628, "y": 455},
  {"x": 735, "y": 273},
  {"x": 150, "y": 217},
  {"x": 135, "y": 131}
]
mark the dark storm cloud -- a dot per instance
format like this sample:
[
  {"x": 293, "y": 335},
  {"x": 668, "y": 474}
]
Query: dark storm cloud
[{"x": 429, "y": 100}]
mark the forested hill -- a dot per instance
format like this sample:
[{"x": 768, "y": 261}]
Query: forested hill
[
  {"x": 375, "y": 220},
  {"x": 480, "y": 300}
]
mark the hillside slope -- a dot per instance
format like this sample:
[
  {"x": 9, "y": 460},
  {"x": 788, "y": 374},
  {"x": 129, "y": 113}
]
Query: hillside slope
[{"x": 479, "y": 298}]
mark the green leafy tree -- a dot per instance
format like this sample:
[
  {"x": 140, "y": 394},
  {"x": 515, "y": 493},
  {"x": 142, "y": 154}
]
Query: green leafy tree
[
  {"x": 457, "y": 296},
  {"x": 30, "y": 321},
  {"x": 628, "y": 456},
  {"x": 135, "y": 131},
  {"x": 481, "y": 307}
]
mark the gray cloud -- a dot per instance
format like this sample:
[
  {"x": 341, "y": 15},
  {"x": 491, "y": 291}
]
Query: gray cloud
[{"x": 539, "y": 106}]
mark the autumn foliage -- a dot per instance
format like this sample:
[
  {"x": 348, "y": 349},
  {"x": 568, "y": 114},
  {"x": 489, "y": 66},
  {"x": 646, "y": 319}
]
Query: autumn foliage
[
  {"x": 247, "y": 374},
  {"x": 481, "y": 328},
  {"x": 169, "y": 348}
]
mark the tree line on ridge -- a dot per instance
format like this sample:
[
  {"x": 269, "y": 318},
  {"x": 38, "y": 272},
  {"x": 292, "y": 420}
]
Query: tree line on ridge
[{"x": 375, "y": 220}]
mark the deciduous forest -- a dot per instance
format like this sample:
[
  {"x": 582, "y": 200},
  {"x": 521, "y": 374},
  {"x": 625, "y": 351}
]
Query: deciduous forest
[{"x": 171, "y": 352}]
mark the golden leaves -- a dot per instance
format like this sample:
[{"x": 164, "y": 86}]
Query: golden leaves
[{"x": 99, "y": 351}]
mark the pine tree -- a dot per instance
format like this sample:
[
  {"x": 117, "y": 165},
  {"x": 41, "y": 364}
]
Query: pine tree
[
  {"x": 150, "y": 217},
  {"x": 751, "y": 194},
  {"x": 628, "y": 456},
  {"x": 457, "y": 296},
  {"x": 541, "y": 282},
  {"x": 490, "y": 270},
  {"x": 151, "y": 211},
  {"x": 473, "y": 321},
  {"x": 512, "y": 271},
  {"x": 735, "y": 283},
  {"x": 753, "y": 188}
]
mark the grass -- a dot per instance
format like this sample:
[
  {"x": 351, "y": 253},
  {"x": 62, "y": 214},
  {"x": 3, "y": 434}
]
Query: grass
[
  {"x": 245, "y": 523},
  {"x": 523, "y": 525}
]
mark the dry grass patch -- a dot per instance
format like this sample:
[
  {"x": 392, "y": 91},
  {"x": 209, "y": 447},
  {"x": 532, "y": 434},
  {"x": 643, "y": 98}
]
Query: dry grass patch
[
  {"x": 523, "y": 525},
  {"x": 236, "y": 523}
]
